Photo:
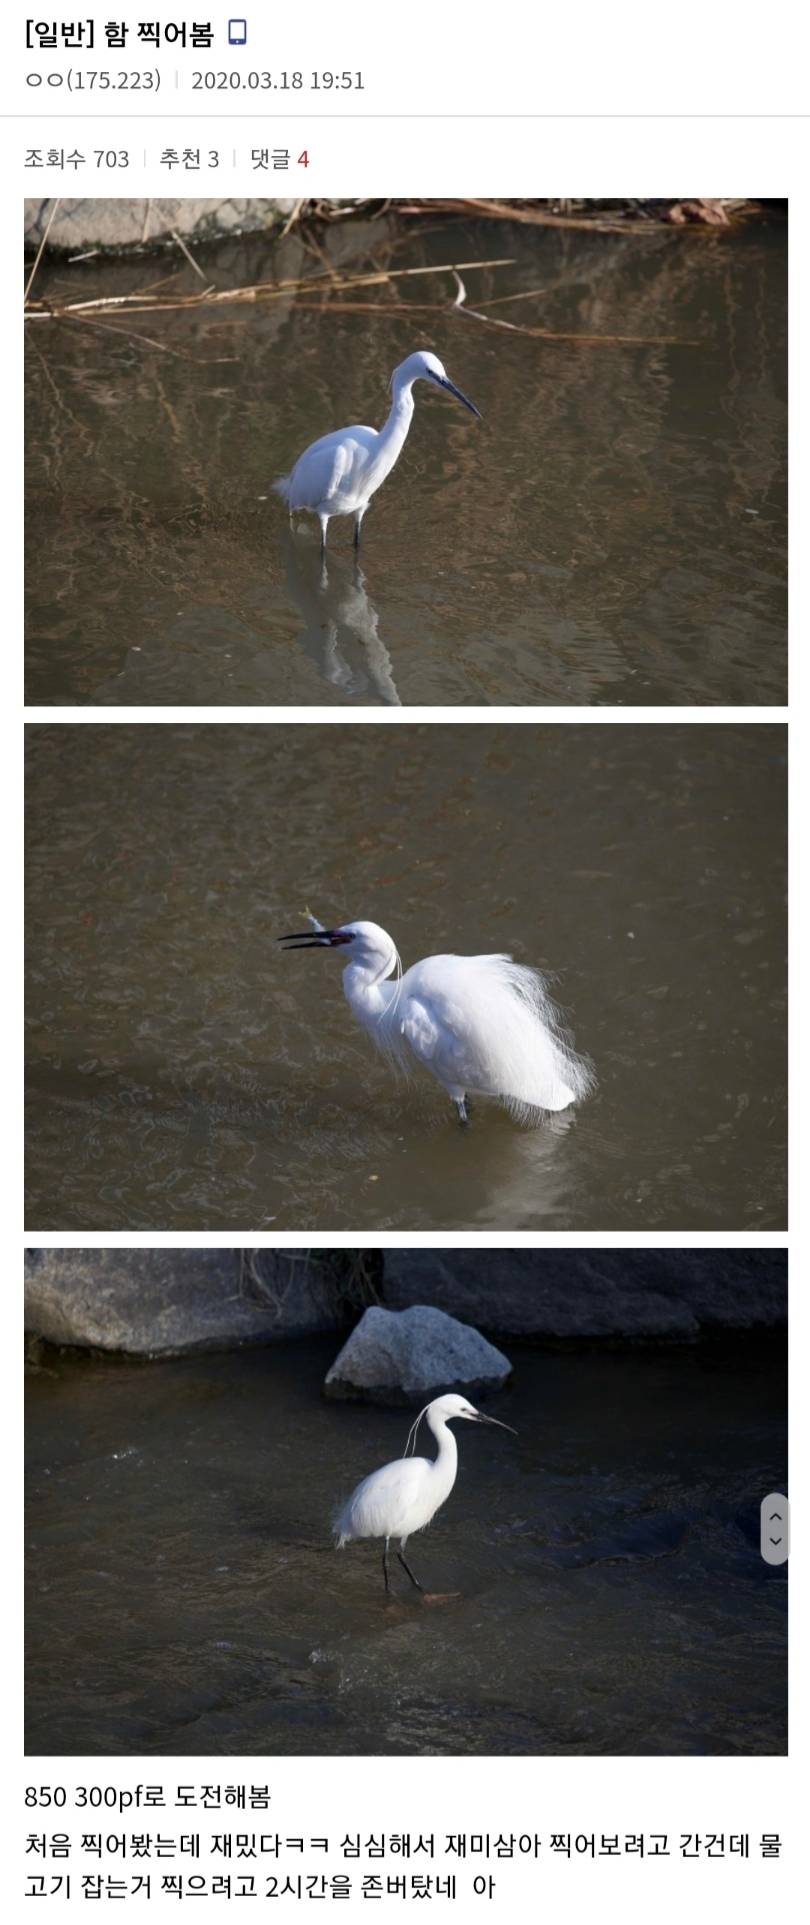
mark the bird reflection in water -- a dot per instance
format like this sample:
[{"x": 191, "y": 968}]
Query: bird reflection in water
[{"x": 340, "y": 623}]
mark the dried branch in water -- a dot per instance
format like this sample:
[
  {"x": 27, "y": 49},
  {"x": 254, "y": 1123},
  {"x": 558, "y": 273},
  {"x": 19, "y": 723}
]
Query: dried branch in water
[
  {"x": 699, "y": 213},
  {"x": 40, "y": 251},
  {"x": 139, "y": 303},
  {"x": 324, "y": 291},
  {"x": 294, "y": 217},
  {"x": 548, "y": 334},
  {"x": 209, "y": 285},
  {"x": 129, "y": 334},
  {"x": 526, "y": 212}
]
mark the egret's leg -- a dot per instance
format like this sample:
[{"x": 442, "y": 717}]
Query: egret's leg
[
  {"x": 406, "y": 1567},
  {"x": 462, "y": 1109},
  {"x": 357, "y": 523},
  {"x": 324, "y": 521},
  {"x": 385, "y": 1570}
]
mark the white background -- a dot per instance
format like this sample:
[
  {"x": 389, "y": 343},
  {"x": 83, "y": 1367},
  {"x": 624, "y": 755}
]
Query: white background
[{"x": 708, "y": 69}]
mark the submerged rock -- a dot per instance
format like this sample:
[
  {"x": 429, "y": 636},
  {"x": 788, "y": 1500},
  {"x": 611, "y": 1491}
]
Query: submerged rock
[
  {"x": 403, "y": 1356},
  {"x": 153, "y": 1303}
]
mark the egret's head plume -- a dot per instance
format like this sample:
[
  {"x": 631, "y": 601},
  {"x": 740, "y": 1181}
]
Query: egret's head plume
[{"x": 444, "y": 1410}]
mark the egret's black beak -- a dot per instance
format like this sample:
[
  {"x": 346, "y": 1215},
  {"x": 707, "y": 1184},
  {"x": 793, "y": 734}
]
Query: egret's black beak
[
  {"x": 481, "y": 1419},
  {"x": 316, "y": 939},
  {"x": 452, "y": 389}
]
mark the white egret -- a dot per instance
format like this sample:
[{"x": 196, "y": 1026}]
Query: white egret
[
  {"x": 403, "y": 1497},
  {"x": 484, "y": 1025},
  {"x": 339, "y": 474}
]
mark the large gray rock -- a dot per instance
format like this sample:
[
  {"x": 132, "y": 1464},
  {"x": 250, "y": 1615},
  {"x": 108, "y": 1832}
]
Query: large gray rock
[
  {"x": 402, "y": 1357},
  {"x": 165, "y": 1302},
  {"x": 125, "y": 223},
  {"x": 610, "y": 1294}
]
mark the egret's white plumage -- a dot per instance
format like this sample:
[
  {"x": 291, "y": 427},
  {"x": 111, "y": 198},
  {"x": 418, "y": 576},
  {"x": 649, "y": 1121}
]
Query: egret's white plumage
[
  {"x": 338, "y": 474},
  {"x": 403, "y": 1497},
  {"x": 484, "y": 1025}
]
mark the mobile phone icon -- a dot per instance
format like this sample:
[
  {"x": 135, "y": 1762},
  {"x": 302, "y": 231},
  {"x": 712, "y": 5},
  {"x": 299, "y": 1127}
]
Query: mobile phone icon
[{"x": 237, "y": 33}]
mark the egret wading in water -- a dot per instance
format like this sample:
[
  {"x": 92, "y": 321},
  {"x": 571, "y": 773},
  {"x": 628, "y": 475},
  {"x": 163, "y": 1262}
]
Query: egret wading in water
[
  {"x": 484, "y": 1025},
  {"x": 403, "y": 1497},
  {"x": 339, "y": 474}
]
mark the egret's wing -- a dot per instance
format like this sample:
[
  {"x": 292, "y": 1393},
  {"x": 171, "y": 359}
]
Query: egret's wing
[
  {"x": 382, "y": 1505},
  {"x": 329, "y": 466},
  {"x": 318, "y": 473},
  {"x": 490, "y": 1025},
  {"x": 420, "y": 1029},
  {"x": 341, "y": 464}
]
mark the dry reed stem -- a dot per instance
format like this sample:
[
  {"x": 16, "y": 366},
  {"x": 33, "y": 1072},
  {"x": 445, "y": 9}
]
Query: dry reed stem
[
  {"x": 39, "y": 253},
  {"x": 529, "y": 214},
  {"x": 459, "y": 306},
  {"x": 209, "y": 285},
  {"x": 266, "y": 290},
  {"x": 325, "y": 284},
  {"x": 291, "y": 220},
  {"x": 129, "y": 334}
]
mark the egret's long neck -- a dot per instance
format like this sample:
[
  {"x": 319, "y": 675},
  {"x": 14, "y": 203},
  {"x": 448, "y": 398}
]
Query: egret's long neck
[
  {"x": 399, "y": 420},
  {"x": 445, "y": 1463},
  {"x": 366, "y": 988}
]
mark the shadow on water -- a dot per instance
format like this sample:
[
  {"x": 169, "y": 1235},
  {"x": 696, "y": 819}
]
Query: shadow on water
[
  {"x": 184, "y": 1597},
  {"x": 184, "y": 1073},
  {"x": 613, "y": 530}
]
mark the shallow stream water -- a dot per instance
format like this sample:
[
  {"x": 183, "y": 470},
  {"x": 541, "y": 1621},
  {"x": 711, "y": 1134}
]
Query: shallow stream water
[
  {"x": 184, "y": 1596},
  {"x": 612, "y": 531},
  {"x": 186, "y": 1073}
]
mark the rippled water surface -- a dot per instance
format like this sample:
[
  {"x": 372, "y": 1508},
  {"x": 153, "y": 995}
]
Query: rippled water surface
[
  {"x": 184, "y": 1596},
  {"x": 612, "y": 531},
  {"x": 184, "y": 1073}
]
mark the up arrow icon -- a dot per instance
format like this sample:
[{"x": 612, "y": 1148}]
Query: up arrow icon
[{"x": 774, "y": 1509}]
